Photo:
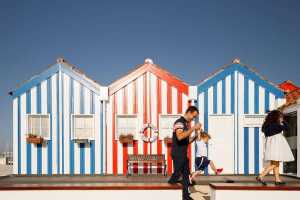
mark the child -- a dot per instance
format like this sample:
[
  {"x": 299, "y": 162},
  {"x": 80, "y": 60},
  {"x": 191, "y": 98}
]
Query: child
[{"x": 201, "y": 160}]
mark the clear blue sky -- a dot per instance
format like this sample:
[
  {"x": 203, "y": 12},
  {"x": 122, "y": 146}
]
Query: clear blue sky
[{"x": 190, "y": 38}]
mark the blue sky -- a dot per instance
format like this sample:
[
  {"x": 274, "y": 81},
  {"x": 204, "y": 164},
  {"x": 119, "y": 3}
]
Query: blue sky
[{"x": 105, "y": 39}]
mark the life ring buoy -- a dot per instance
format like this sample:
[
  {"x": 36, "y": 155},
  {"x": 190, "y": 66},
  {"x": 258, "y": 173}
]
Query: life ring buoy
[{"x": 154, "y": 136}]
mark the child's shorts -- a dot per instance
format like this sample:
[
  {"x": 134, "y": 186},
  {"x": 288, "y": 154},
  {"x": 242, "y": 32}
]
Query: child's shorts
[{"x": 201, "y": 163}]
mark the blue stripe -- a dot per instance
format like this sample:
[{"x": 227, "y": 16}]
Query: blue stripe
[
  {"x": 223, "y": 96},
  {"x": 49, "y": 110},
  {"x": 62, "y": 126},
  {"x": 92, "y": 144},
  {"x": 237, "y": 129},
  {"x": 19, "y": 135},
  {"x": 232, "y": 98},
  {"x": 82, "y": 145},
  {"x": 92, "y": 157},
  {"x": 256, "y": 150},
  {"x": 206, "y": 118},
  {"x": 70, "y": 133},
  {"x": 267, "y": 101},
  {"x": 57, "y": 125},
  {"x": 246, "y": 95},
  {"x": 39, "y": 146},
  {"x": 215, "y": 99},
  {"x": 206, "y": 111},
  {"x": 101, "y": 138},
  {"x": 82, "y": 152},
  {"x": 28, "y": 145},
  {"x": 256, "y": 98},
  {"x": 246, "y": 150}
]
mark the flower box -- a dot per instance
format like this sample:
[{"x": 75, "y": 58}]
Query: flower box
[
  {"x": 126, "y": 138},
  {"x": 34, "y": 139}
]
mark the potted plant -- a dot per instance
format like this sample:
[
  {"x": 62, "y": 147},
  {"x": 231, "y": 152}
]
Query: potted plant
[
  {"x": 126, "y": 138},
  {"x": 34, "y": 139}
]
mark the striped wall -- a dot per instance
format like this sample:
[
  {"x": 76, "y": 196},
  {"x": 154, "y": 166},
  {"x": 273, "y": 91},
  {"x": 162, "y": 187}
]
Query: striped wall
[
  {"x": 60, "y": 96},
  {"x": 148, "y": 96},
  {"x": 235, "y": 96}
]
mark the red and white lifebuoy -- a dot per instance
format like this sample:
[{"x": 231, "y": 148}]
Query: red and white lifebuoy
[{"x": 147, "y": 138}]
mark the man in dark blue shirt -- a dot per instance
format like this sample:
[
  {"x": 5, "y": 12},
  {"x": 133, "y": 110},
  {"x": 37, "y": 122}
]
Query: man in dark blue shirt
[{"x": 180, "y": 141}]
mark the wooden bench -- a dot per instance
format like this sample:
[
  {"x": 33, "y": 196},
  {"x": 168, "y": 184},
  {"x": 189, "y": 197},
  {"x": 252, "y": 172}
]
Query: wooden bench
[{"x": 153, "y": 159}]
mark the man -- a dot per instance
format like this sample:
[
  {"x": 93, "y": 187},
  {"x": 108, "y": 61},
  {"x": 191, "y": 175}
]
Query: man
[{"x": 180, "y": 141}]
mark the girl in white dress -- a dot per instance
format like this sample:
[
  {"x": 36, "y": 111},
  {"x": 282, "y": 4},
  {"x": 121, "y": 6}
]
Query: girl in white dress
[{"x": 276, "y": 147}]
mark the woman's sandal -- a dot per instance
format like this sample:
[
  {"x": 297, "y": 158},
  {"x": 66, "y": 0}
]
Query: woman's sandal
[
  {"x": 280, "y": 183},
  {"x": 258, "y": 179}
]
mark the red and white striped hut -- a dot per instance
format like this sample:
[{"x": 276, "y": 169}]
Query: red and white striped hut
[{"x": 147, "y": 95}]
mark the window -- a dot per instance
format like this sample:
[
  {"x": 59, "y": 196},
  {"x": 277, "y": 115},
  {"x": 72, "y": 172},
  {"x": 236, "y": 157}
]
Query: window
[
  {"x": 38, "y": 125},
  {"x": 166, "y": 123},
  {"x": 127, "y": 124},
  {"x": 253, "y": 120},
  {"x": 83, "y": 127}
]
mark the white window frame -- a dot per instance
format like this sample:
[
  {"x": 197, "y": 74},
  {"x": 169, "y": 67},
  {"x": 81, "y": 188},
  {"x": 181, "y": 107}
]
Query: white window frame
[
  {"x": 73, "y": 127},
  {"x": 253, "y": 120},
  {"x": 39, "y": 115},
  {"x": 135, "y": 134},
  {"x": 160, "y": 116}
]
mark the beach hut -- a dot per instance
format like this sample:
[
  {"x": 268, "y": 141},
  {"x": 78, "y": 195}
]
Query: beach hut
[
  {"x": 232, "y": 103},
  {"x": 148, "y": 96},
  {"x": 59, "y": 123},
  {"x": 291, "y": 110}
]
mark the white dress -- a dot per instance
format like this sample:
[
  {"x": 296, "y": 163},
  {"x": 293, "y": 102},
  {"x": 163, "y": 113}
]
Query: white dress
[{"x": 277, "y": 149}]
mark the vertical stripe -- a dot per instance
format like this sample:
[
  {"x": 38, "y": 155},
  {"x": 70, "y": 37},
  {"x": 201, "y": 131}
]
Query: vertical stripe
[
  {"x": 15, "y": 136},
  {"x": 92, "y": 157},
  {"x": 39, "y": 146},
  {"x": 256, "y": 99},
  {"x": 223, "y": 96},
  {"x": 82, "y": 152},
  {"x": 135, "y": 110},
  {"x": 267, "y": 101},
  {"x": 82, "y": 145},
  {"x": 256, "y": 150},
  {"x": 49, "y": 111},
  {"x": 58, "y": 124},
  {"x": 125, "y": 145},
  {"x": 246, "y": 95},
  {"x": 232, "y": 94},
  {"x": 101, "y": 138},
  {"x": 28, "y": 145},
  {"x": 19, "y": 135},
  {"x": 206, "y": 110},
  {"x": 159, "y": 141},
  {"x": 246, "y": 150},
  {"x": 71, "y": 128},
  {"x": 92, "y": 144},
  {"x": 115, "y": 144},
  {"x": 215, "y": 99},
  {"x": 169, "y": 111}
]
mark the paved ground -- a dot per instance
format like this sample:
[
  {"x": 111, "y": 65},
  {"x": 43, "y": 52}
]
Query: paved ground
[{"x": 199, "y": 191}]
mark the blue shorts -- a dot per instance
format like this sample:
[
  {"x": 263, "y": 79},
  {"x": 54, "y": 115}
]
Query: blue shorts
[{"x": 201, "y": 163}]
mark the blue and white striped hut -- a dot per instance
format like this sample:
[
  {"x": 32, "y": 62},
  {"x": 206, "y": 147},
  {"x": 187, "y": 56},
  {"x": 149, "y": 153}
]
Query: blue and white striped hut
[
  {"x": 232, "y": 104},
  {"x": 58, "y": 123}
]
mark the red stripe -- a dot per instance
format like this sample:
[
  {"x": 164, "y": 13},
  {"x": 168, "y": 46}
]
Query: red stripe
[
  {"x": 135, "y": 110},
  {"x": 115, "y": 142},
  {"x": 125, "y": 146},
  {"x": 159, "y": 142},
  {"x": 145, "y": 145},
  {"x": 169, "y": 111}
]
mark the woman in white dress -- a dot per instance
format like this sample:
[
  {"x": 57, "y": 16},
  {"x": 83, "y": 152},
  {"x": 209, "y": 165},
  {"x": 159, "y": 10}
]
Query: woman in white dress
[{"x": 276, "y": 147}]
